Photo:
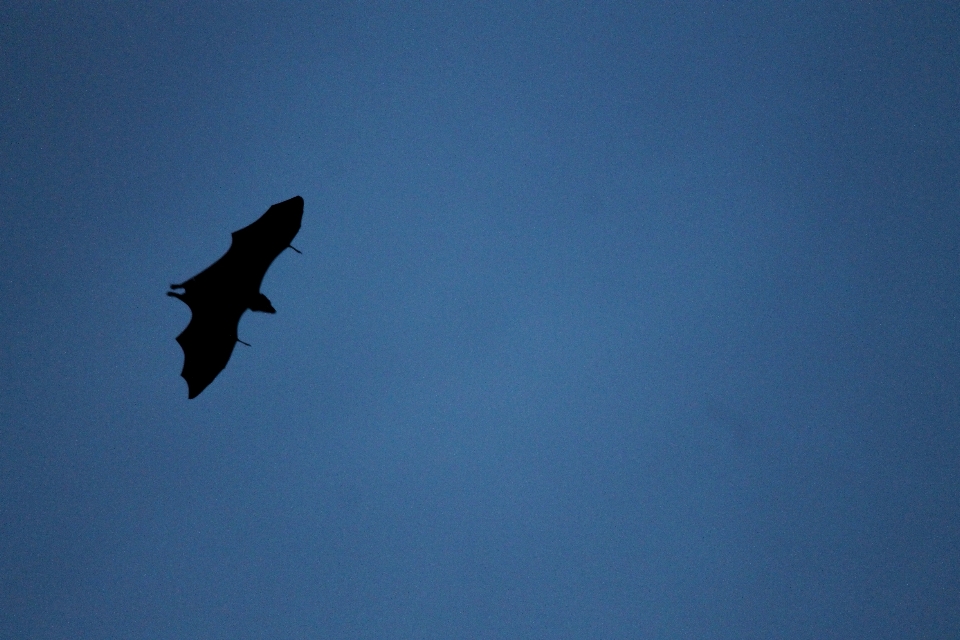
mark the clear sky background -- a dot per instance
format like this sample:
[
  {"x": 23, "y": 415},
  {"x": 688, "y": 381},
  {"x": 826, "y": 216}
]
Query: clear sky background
[{"x": 613, "y": 320}]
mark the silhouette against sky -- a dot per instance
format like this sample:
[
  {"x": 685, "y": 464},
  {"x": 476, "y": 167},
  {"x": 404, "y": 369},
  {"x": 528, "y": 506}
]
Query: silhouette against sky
[
  {"x": 613, "y": 320},
  {"x": 219, "y": 295}
]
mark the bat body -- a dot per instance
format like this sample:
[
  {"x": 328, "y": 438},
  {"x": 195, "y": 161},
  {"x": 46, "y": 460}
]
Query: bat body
[{"x": 221, "y": 293}]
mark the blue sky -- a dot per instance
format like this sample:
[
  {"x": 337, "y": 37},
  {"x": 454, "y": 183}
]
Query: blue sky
[{"x": 613, "y": 320}]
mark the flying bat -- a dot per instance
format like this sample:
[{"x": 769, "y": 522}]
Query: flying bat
[{"x": 221, "y": 293}]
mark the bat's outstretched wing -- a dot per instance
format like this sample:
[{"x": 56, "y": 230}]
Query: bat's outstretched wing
[
  {"x": 240, "y": 271},
  {"x": 220, "y": 294},
  {"x": 207, "y": 344}
]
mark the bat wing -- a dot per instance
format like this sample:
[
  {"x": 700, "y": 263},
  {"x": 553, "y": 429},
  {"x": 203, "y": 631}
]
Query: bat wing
[
  {"x": 259, "y": 244},
  {"x": 207, "y": 344},
  {"x": 253, "y": 249}
]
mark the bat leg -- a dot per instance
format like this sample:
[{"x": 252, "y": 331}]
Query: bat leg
[
  {"x": 176, "y": 286},
  {"x": 174, "y": 294}
]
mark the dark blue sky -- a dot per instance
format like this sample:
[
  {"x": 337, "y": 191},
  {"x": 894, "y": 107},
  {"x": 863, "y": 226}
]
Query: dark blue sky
[{"x": 613, "y": 320}]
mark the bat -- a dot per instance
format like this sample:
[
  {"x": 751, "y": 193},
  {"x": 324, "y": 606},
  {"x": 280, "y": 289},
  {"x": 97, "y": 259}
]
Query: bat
[{"x": 221, "y": 293}]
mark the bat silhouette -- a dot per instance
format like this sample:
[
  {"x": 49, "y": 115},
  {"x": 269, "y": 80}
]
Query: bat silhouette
[{"x": 221, "y": 293}]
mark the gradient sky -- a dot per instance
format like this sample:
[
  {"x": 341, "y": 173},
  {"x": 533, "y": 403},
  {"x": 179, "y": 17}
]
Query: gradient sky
[{"x": 613, "y": 320}]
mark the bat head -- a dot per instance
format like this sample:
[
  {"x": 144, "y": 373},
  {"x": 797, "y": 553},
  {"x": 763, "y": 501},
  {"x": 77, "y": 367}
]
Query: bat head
[{"x": 262, "y": 303}]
